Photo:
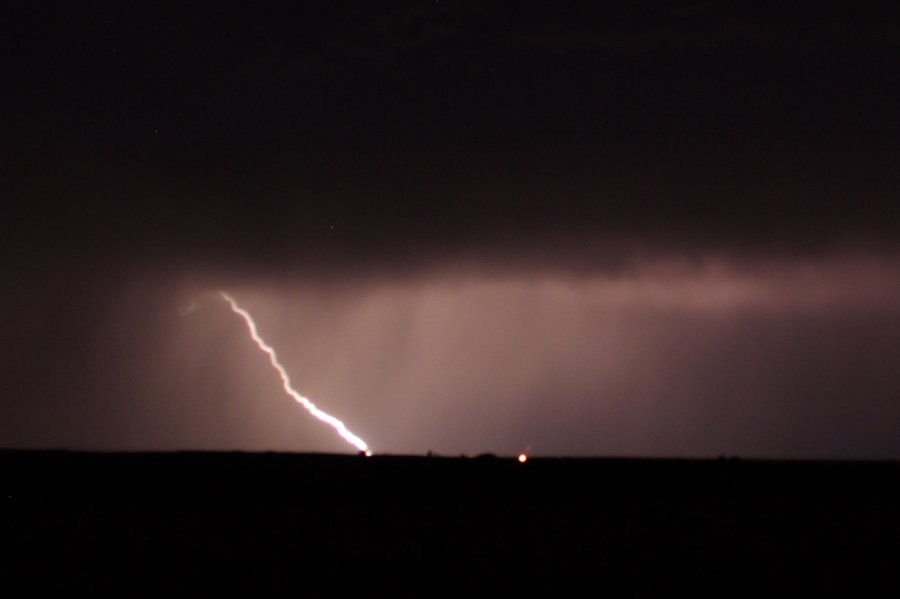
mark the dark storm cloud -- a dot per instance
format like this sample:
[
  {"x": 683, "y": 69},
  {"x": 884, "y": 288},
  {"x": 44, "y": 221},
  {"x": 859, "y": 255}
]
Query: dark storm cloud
[
  {"x": 243, "y": 134},
  {"x": 709, "y": 25}
]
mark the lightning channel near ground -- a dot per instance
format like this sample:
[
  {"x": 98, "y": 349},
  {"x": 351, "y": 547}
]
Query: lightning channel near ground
[{"x": 328, "y": 419}]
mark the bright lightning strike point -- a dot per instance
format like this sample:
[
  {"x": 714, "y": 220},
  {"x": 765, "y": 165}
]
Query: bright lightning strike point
[{"x": 286, "y": 381}]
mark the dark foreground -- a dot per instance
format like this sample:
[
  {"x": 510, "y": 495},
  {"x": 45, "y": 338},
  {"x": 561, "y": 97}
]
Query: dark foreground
[{"x": 201, "y": 523}]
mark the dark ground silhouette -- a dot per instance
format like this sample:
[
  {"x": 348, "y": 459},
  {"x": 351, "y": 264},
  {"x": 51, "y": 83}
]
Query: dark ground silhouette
[{"x": 301, "y": 524}]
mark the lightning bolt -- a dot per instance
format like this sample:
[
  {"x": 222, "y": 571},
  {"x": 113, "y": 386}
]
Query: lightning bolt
[{"x": 286, "y": 380}]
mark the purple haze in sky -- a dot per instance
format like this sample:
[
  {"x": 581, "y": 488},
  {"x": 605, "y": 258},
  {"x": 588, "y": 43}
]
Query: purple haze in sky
[{"x": 670, "y": 358}]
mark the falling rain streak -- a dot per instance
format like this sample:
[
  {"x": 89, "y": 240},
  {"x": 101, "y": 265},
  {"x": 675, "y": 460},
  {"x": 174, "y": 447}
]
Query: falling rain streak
[{"x": 286, "y": 381}]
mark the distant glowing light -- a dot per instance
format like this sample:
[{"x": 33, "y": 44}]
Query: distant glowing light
[
  {"x": 523, "y": 458},
  {"x": 286, "y": 381}
]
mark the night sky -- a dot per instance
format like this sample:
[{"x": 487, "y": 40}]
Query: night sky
[{"x": 631, "y": 229}]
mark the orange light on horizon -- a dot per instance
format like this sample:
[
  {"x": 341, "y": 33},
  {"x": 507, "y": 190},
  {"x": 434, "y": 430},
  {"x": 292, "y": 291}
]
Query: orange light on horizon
[{"x": 523, "y": 458}]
